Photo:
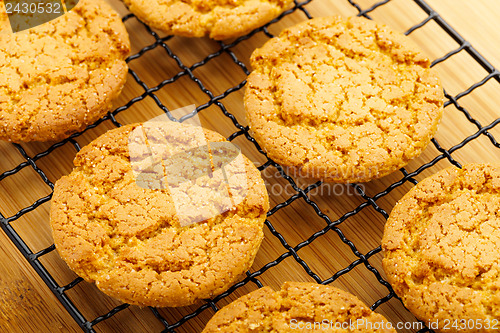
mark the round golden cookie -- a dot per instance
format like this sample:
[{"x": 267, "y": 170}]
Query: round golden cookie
[
  {"x": 298, "y": 306},
  {"x": 128, "y": 236},
  {"x": 442, "y": 248},
  {"x": 342, "y": 100},
  {"x": 59, "y": 77},
  {"x": 219, "y": 19}
]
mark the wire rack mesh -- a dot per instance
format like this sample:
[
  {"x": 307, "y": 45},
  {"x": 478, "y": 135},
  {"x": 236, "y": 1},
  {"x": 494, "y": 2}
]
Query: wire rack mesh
[{"x": 361, "y": 259}]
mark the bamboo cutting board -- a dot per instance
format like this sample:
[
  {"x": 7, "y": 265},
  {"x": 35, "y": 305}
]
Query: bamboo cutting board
[{"x": 28, "y": 305}]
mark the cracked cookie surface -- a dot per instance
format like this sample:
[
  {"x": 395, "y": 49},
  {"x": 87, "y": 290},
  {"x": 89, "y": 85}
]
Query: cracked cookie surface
[
  {"x": 128, "y": 239},
  {"x": 219, "y": 19},
  {"x": 63, "y": 75},
  {"x": 342, "y": 100},
  {"x": 442, "y": 245},
  {"x": 299, "y": 304}
]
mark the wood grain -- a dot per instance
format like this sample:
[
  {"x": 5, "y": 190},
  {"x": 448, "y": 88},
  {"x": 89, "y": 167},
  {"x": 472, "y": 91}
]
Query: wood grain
[{"x": 27, "y": 305}]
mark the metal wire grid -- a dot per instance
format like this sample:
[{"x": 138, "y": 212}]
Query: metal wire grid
[{"x": 240, "y": 130}]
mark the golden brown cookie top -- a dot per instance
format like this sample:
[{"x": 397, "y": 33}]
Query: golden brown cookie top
[
  {"x": 442, "y": 245},
  {"x": 295, "y": 308},
  {"x": 342, "y": 100},
  {"x": 219, "y": 19},
  {"x": 59, "y": 77},
  {"x": 4, "y": 20},
  {"x": 128, "y": 237}
]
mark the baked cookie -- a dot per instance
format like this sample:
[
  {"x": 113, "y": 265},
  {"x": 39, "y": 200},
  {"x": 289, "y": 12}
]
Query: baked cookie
[
  {"x": 342, "y": 100},
  {"x": 298, "y": 306},
  {"x": 442, "y": 248},
  {"x": 59, "y": 77},
  {"x": 219, "y": 19},
  {"x": 135, "y": 238}
]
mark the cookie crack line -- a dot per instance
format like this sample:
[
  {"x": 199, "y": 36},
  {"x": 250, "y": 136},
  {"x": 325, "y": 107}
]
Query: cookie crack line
[
  {"x": 144, "y": 235},
  {"x": 408, "y": 98}
]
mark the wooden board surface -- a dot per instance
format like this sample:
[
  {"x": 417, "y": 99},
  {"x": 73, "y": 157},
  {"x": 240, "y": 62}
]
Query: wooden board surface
[{"x": 27, "y": 305}]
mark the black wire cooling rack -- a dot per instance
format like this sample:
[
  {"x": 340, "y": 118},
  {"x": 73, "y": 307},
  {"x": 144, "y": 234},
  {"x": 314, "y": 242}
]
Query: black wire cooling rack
[{"x": 88, "y": 324}]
